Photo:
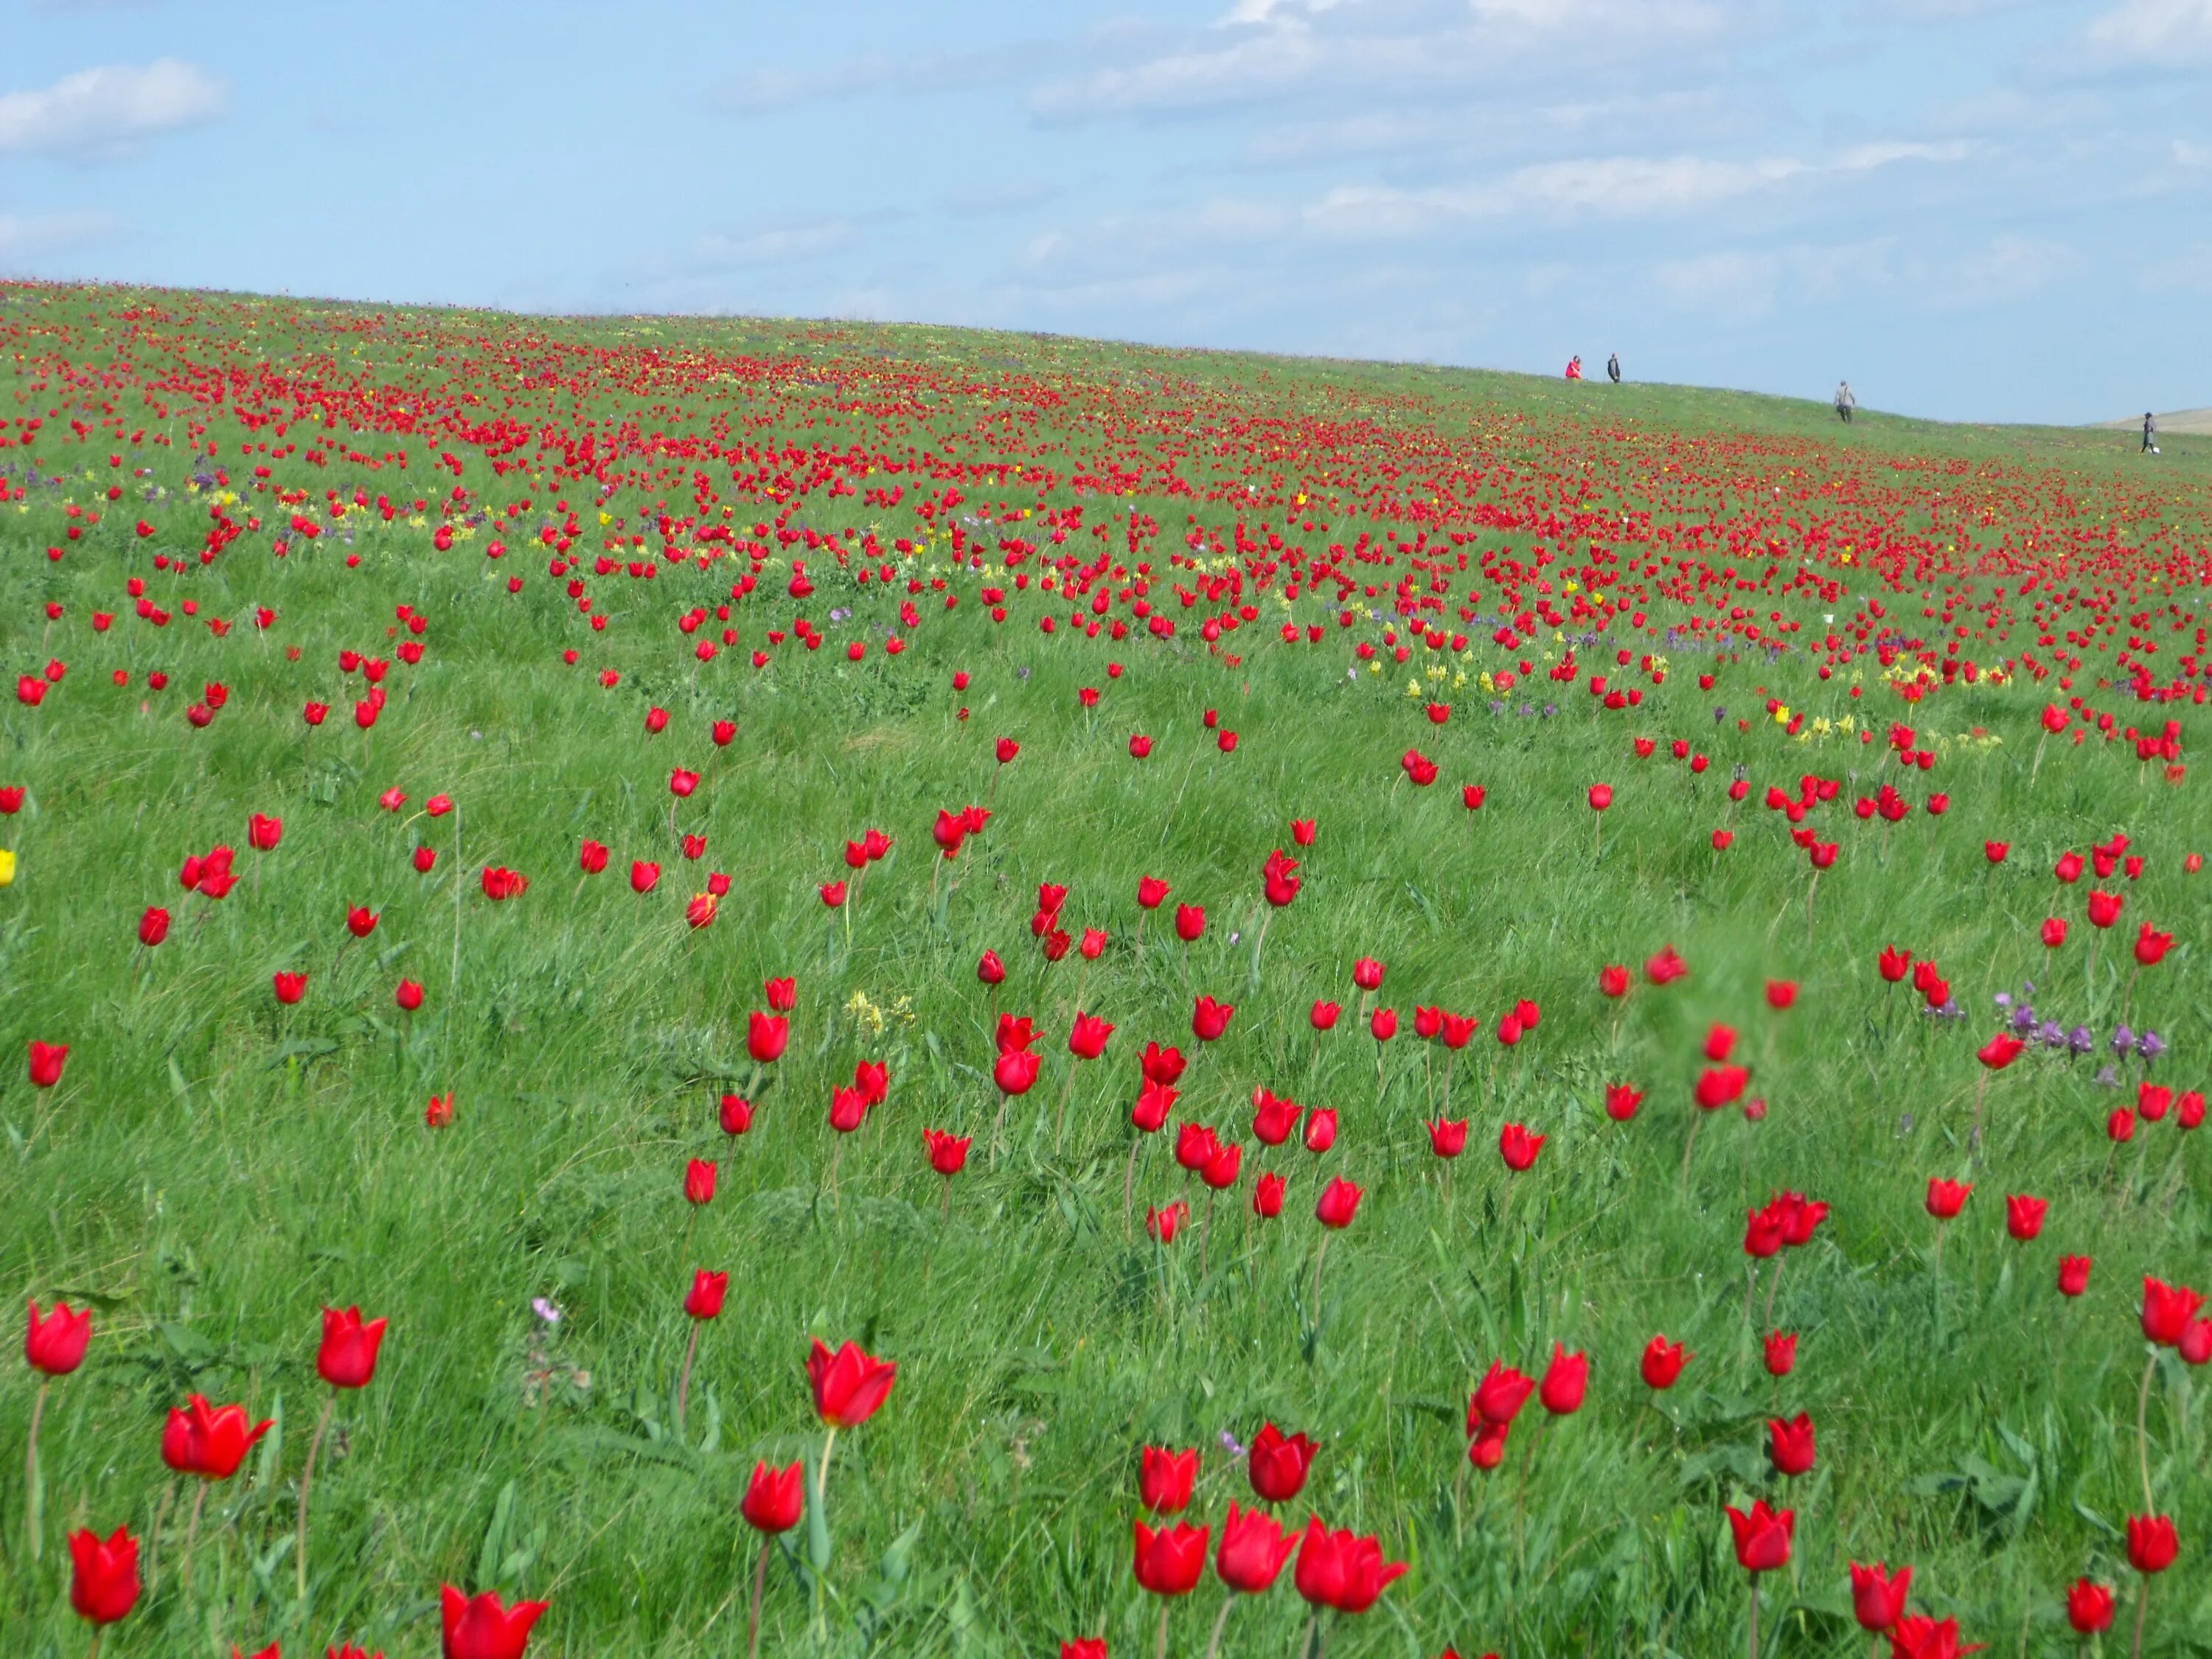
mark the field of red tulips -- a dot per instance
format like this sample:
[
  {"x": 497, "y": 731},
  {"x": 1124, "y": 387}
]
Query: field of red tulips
[{"x": 712, "y": 987}]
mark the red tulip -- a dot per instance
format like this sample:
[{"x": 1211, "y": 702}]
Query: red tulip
[
  {"x": 849, "y": 1385},
  {"x": 1189, "y": 922},
  {"x": 699, "y": 1181},
  {"x": 1383, "y": 1024},
  {"x": 737, "y": 1114},
  {"x": 55, "y": 1344},
  {"x": 1663, "y": 1362},
  {"x": 2167, "y": 1310},
  {"x": 1790, "y": 1444},
  {"x": 361, "y": 922},
  {"x": 2000, "y": 1051},
  {"x": 948, "y": 1153},
  {"x": 208, "y": 1441},
  {"x": 2024, "y": 1215},
  {"x": 1171, "y": 1561},
  {"x": 1277, "y": 1465},
  {"x": 1340, "y": 1199},
  {"x": 1600, "y": 797},
  {"x": 1499, "y": 1397},
  {"x": 1518, "y": 1147},
  {"x": 103, "y": 1574},
  {"x": 1087, "y": 1041},
  {"x": 1340, "y": 1571},
  {"x": 774, "y": 1498},
  {"x": 2089, "y": 1607},
  {"x": 1612, "y": 980},
  {"x": 990, "y": 970},
  {"x": 347, "y": 1358},
  {"x": 766, "y": 1037},
  {"x": 1781, "y": 1354},
  {"x": 1268, "y": 1196},
  {"x": 263, "y": 834},
  {"x": 1447, "y": 1138},
  {"x": 1324, "y": 1015},
  {"x": 1946, "y": 1198},
  {"x": 1252, "y": 1552},
  {"x": 1877, "y": 1599},
  {"x": 1321, "y": 1128},
  {"x": 153, "y": 927},
  {"x": 483, "y": 1627},
  {"x": 2072, "y": 1274},
  {"x": 1164, "y": 1480},
  {"x": 1762, "y": 1537},
  {"x": 47, "y": 1059},
  {"x": 1621, "y": 1101},
  {"x": 1894, "y": 963},
  {"x": 1566, "y": 1380},
  {"x": 291, "y": 987},
  {"x": 2151, "y": 1543},
  {"x": 704, "y": 1299},
  {"x": 1015, "y": 1070},
  {"x": 644, "y": 875},
  {"x": 1209, "y": 1019},
  {"x": 1164, "y": 1224},
  {"x": 1152, "y": 892}
]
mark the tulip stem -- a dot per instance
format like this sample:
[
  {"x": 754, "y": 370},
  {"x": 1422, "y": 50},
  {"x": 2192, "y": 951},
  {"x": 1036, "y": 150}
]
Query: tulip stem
[
  {"x": 1129, "y": 1192},
  {"x": 1689, "y": 1145},
  {"x": 1320, "y": 1256},
  {"x": 760, "y": 1583},
  {"x": 153, "y": 1538},
  {"x": 2143, "y": 1607},
  {"x": 192, "y": 1533},
  {"x": 307, "y": 1485},
  {"x": 1214, "y": 1647},
  {"x": 2143, "y": 1431},
  {"x": 1755, "y": 1616},
  {"x": 35, "y": 1491},
  {"x": 684, "y": 1383},
  {"x": 1772, "y": 1286},
  {"x": 92, "y": 1652}
]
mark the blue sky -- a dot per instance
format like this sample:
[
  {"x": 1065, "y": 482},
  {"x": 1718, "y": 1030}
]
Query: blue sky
[{"x": 1986, "y": 208}]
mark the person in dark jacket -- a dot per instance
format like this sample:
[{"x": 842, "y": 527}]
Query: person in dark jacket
[
  {"x": 1613, "y": 368},
  {"x": 2150, "y": 433}
]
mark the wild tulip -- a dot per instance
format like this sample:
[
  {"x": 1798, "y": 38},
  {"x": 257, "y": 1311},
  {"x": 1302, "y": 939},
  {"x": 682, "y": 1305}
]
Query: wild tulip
[
  {"x": 1277, "y": 1464},
  {"x": 1382, "y": 1025},
  {"x": 1781, "y": 993},
  {"x": 1152, "y": 892},
  {"x": 2068, "y": 867},
  {"x": 1662, "y": 1363},
  {"x": 1164, "y": 1480},
  {"x": 1154, "y": 1102},
  {"x": 872, "y": 1078},
  {"x": 1720, "y": 1043},
  {"x": 1210, "y": 1019},
  {"x": 104, "y": 1583},
  {"x": 1447, "y": 1138},
  {"x": 208, "y": 1441},
  {"x": 990, "y": 970},
  {"x": 2152, "y": 1544},
  {"x": 1621, "y": 1102},
  {"x": 833, "y": 893},
  {"x": 346, "y": 1358},
  {"x": 424, "y": 859},
  {"x": 483, "y": 1627},
  {"x": 47, "y": 1059},
  {"x": 1762, "y": 1537},
  {"x": 1367, "y": 974},
  {"x": 1566, "y": 1380},
  {"x": 1518, "y": 1147},
  {"x": 153, "y": 927},
  {"x": 1340, "y": 1199},
  {"x": 2072, "y": 1274},
  {"x": 1189, "y": 922},
  {"x": 439, "y": 1113},
  {"x": 1720, "y": 1086},
  {"x": 704, "y": 1299},
  {"x": 1253, "y": 1550},
  {"x": 1342, "y": 1570},
  {"x": 2000, "y": 1051},
  {"x": 1780, "y": 1353},
  {"x": 361, "y": 922},
  {"x": 1087, "y": 1041},
  {"x": 1946, "y": 1198},
  {"x": 1765, "y": 1232},
  {"x": 289, "y": 988},
  {"x": 782, "y": 995},
  {"x": 699, "y": 1181},
  {"x": 2167, "y": 1310},
  {"x": 1321, "y": 1128},
  {"x": 1877, "y": 1598},
  {"x": 2054, "y": 931},
  {"x": 263, "y": 834},
  {"x": 1486, "y": 1447},
  {"x": 1427, "y": 1022},
  {"x": 2151, "y": 946},
  {"x": 774, "y": 1498},
  {"x": 592, "y": 858},
  {"x": 2024, "y": 1215},
  {"x": 1164, "y": 1224},
  {"x": 1302, "y": 831},
  {"x": 1600, "y": 797},
  {"x": 1141, "y": 746},
  {"x": 1324, "y": 1015},
  {"x": 1895, "y": 963},
  {"x": 1007, "y": 749},
  {"x": 1015, "y": 1070},
  {"x": 1268, "y": 1196},
  {"x": 1499, "y": 1397},
  {"x": 1220, "y": 1170},
  {"x": 682, "y": 783},
  {"x": 1612, "y": 980},
  {"x": 55, "y": 1345},
  {"x": 2121, "y": 1125},
  {"x": 1790, "y": 1444},
  {"x": 736, "y": 1115},
  {"x": 766, "y": 1037},
  {"x": 849, "y": 1385},
  {"x": 1171, "y": 1561},
  {"x": 948, "y": 1153},
  {"x": 849, "y": 1109},
  {"x": 2089, "y": 1607}
]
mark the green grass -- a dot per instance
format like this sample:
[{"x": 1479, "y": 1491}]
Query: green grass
[{"x": 213, "y": 1169}]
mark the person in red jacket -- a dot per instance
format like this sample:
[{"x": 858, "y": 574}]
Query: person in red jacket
[{"x": 1575, "y": 366}]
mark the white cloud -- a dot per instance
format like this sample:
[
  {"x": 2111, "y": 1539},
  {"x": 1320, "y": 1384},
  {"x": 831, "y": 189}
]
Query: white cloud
[
  {"x": 2160, "y": 31},
  {"x": 2191, "y": 155},
  {"x": 105, "y": 111},
  {"x": 778, "y": 245}
]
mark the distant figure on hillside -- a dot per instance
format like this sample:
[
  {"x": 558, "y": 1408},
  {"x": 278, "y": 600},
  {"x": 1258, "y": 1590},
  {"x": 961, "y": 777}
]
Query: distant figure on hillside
[
  {"x": 1846, "y": 401},
  {"x": 1575, "y": 366},
  {"x": 2150, "y": 433},
  {"x": 1613, "y": 368}
]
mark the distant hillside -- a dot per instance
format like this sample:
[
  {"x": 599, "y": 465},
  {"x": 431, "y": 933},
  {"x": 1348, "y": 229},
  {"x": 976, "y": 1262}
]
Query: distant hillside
[{"x": 2181, "y": 419}]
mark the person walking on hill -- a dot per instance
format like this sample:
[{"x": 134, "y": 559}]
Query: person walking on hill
[
  {"x": 1613, "y": 368},
  {"x": 1845, "y": 402},
  {"x": 2150, "y": 433}
]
